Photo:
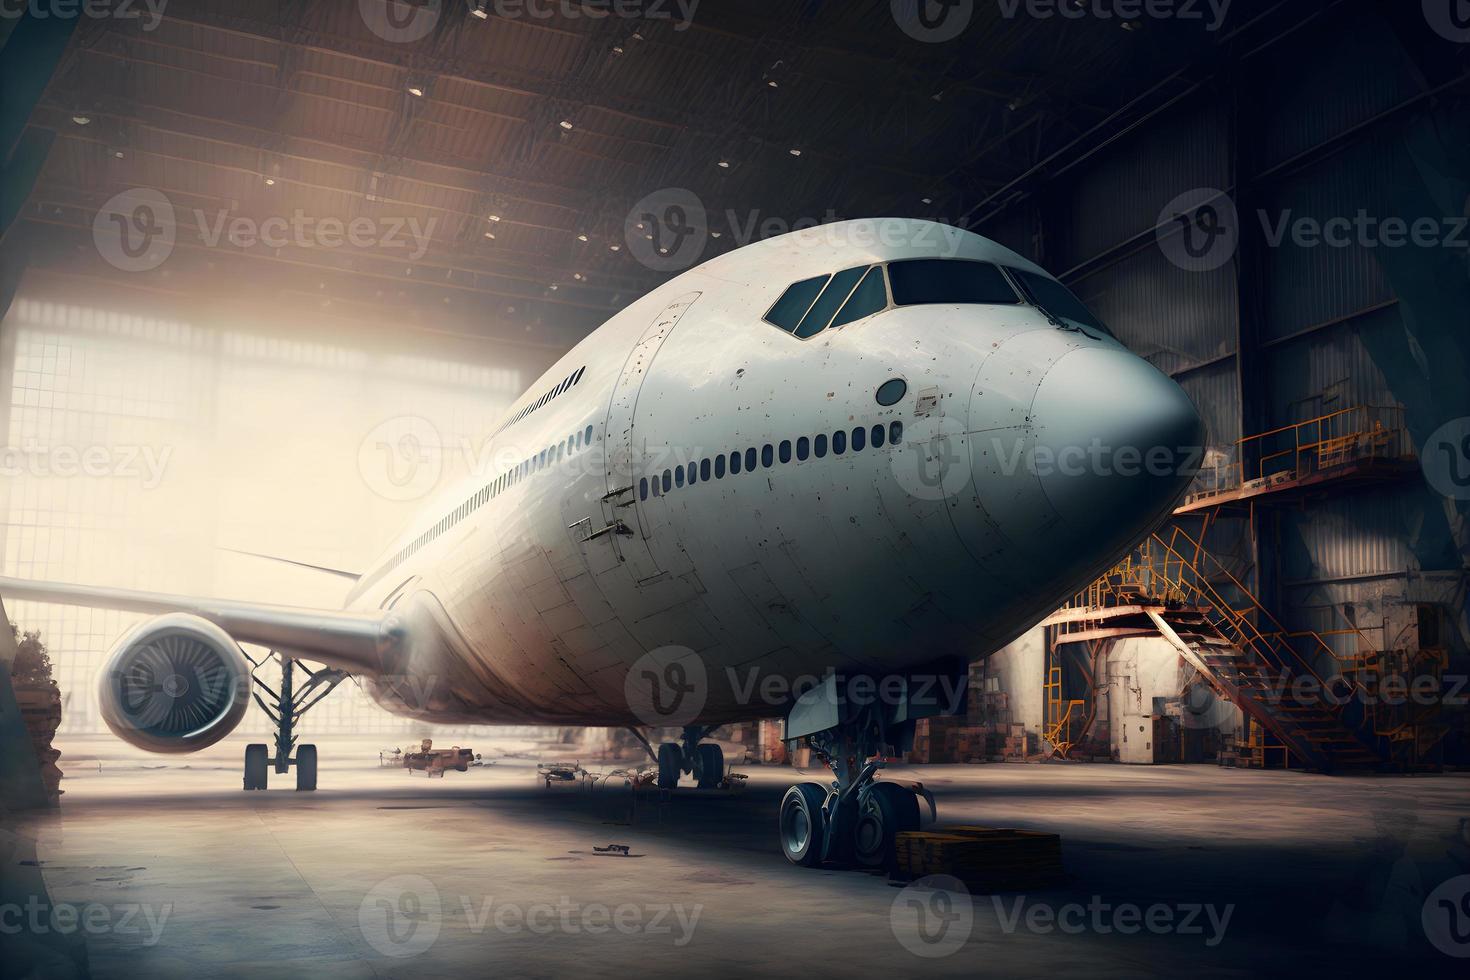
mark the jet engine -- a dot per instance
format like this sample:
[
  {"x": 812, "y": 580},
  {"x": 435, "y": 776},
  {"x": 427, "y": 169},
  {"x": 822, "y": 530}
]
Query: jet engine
[{"x": 175, "y": 683}]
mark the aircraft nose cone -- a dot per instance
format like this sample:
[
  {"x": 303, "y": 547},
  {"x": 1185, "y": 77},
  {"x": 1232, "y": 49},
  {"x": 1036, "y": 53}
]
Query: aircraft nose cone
[{"x": 1117, "y": 441}]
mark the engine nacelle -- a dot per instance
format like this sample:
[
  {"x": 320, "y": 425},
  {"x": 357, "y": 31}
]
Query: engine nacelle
[{"x": 175, "y": 683}]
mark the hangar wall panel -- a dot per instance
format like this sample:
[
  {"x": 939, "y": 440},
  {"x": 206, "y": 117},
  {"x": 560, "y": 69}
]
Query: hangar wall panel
[{"x": 1119, "y": 193}]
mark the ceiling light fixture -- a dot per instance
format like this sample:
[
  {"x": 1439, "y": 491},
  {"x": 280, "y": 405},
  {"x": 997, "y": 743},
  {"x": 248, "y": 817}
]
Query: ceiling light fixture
[
  {"x": 81, "y": 119},
  {"x": 565, "y": 124},
  {"x": 794, "y": 152}
]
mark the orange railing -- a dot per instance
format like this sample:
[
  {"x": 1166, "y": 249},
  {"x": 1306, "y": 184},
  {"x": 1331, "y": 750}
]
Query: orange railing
[{"x": 1349, "y": 435}]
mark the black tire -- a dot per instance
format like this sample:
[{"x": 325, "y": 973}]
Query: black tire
[
  {"x": 885, "y": 810},
  {"x": 257, "y": 764},
  {"x": 670, "y": 759},
  {"x": 709, "y": 765},
  {"x": 803, "y": 826},
  {"x": 305, "y": 768}
]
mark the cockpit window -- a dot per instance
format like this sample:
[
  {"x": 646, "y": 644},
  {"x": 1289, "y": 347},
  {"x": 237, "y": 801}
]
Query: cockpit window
[
  {"x": 832, "y": 297},
  {"x": 793, "y": 304},
  {"x": 918, "y": 281},
  {"x": 1056, "y": 299},
  {"x": 868, "y": 298}
]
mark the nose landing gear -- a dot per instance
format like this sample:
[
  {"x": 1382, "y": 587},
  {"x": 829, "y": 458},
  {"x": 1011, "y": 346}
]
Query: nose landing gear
[{"x": 856, "y": 819}]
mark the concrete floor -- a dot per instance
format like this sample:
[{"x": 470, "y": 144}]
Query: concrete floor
[{"x": 385, "y": 874}]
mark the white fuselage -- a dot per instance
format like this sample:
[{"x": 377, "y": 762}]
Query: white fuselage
[{"x": 858, "y": 562}]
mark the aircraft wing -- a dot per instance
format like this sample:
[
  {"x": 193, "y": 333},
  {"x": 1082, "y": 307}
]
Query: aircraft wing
[{"x": 349, "y": 641}]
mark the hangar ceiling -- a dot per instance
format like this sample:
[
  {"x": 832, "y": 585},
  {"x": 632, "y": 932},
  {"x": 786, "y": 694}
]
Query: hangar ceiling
[{"x": 543, "y": 133}]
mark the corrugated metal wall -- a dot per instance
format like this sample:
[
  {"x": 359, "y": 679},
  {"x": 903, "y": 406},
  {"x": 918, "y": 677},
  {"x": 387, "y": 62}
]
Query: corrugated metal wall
[{"x": 1319, "y": 140}]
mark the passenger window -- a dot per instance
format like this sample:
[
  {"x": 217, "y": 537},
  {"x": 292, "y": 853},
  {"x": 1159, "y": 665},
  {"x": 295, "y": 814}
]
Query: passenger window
[
  {"x": 750, "y": 459},
  {"x": 693, "y": 476},
  {"x": 656, "y": 491},
  {"x": 895, "y": 433},
  {"x": 643, "y": 489},
  {"x": 720, "y": 467},
  {"x": 839, "y": 443},
  {"x": 870, "y": 297},
  {"x": 830, "y": 301},
  {"x": 588, "y": 436},
  {"x": 678, "y": 476},
  {"x": 821, "y": 446},
  {"x": 704, "y": 470},
  {"x": 793, "y": 304},
  {"x": 667, "y": 480},
  {"x": 877, "y": 437},
  {"x": 803, "y": 448},
  {"x": 785, "y": 450},
  {"x": 768, "y": 456},
  {"x": 859, "y": 439},
  {"x": 918, "y": 281},
  {"x": 735, "y": 462}
]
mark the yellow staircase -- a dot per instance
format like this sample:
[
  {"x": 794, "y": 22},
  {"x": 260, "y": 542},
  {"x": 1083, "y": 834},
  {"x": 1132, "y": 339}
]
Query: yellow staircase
[{"x": 1171, "y": 586}]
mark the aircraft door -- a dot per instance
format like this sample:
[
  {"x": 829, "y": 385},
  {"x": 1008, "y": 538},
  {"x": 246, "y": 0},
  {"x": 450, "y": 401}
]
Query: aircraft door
[{"x": 620, "y": 506}]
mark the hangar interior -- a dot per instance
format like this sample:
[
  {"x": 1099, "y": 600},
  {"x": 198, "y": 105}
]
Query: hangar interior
[{"x": 1162, "y": 170}]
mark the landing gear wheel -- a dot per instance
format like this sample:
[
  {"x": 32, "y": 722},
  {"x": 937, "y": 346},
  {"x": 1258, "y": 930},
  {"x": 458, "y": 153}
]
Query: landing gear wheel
[
  {"x": 803, "y": 824},
  {"x": 670, "y": 760},
  {"x": 305, "y": 768},
  {"x": 257, "y": 761},
  {"x": 709, "y": 765},
  {"x": 886, "y": 809}
]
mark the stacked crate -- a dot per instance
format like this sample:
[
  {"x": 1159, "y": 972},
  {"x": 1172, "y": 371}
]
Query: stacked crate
[
  {"x": 984, "y": 858},
  {"x": 40, "y": 709}
]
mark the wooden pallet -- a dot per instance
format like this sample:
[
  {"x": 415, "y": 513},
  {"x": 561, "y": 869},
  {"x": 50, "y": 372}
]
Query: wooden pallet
[{"x": 987, "y": 858}]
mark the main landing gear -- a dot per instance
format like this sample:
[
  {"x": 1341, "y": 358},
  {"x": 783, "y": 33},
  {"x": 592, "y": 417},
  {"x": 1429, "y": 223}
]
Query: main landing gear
[
  {"x": 288, "y": 707},
  {"x": 705, "y": 761},
  {"x": 856, "y": 818}
]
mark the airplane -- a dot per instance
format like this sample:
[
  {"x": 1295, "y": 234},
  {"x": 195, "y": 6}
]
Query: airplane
[{"x": 812, "y": 478}]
